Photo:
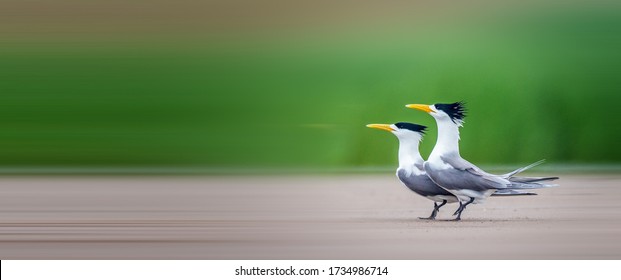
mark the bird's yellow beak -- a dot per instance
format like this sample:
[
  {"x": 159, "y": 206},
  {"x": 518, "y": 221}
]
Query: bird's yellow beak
[
  {"x": 422, "y": 107},
  {"x": 381, "y": 126}
]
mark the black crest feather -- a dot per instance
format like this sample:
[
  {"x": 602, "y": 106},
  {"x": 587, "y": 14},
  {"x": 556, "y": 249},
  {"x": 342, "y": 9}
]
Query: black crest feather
[
  {"x": 457, "y": 110},
  {"x": 412, "y": 126}
]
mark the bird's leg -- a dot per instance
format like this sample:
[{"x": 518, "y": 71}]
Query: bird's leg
[
  {"x": 443, "y": 203},
  {"x": 433, "y": 213},
  {"x": 436, "y": 209},
  {"x": 458, "y": 209},
  {"x": 463, "y": 207}
]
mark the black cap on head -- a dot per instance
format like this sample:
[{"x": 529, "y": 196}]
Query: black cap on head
[
  {"x": 457, "y": 110},
  {"x": 411, "y": 126}
]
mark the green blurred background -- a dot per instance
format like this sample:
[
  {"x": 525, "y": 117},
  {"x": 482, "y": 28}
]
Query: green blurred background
[{"x": 240, "y": 85}]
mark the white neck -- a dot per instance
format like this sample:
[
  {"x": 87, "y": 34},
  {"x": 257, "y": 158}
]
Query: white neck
[
  {"x": 408, "y": 152},
  {"x": 448, "y": 138}
]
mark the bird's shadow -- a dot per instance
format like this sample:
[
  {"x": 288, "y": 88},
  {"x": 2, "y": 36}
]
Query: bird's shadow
[{"x": 445, "y": 221}]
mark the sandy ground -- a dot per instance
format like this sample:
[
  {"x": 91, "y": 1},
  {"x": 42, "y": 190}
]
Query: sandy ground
[{"x": 293, "y": 217}]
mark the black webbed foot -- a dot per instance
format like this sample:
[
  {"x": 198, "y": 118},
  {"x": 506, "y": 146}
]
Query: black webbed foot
[
  {"x": 434, "y": 213},
  {"x": 461, "y": 209}
]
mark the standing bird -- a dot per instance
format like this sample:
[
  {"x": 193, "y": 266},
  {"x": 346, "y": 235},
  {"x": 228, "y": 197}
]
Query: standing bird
[
  {"x": 411, "y": 171},
  {"x": 463, "y": 179}
]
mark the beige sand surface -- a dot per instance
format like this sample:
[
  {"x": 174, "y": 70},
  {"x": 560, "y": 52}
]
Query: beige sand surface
[{"x": 297, "y": 217}]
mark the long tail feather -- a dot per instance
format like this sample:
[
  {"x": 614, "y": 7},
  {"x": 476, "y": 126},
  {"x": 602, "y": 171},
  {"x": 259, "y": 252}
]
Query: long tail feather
[
  {"x": 532, "y": 179},
  {"x": 522, "y": 169},
  {"x": 537, "y": 185},
  {"x": 506, "y": 192}
]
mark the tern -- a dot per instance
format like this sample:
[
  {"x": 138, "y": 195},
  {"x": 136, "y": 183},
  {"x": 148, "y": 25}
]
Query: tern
[
  {"x": 411, "y": 171},
  {"x": 463, "y": 179}
]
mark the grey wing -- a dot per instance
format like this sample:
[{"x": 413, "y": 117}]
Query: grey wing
[
  {"x": 421, "y": 184},
  {"x": 465, "y": 175},
  {"x": 454, "y": 179}
]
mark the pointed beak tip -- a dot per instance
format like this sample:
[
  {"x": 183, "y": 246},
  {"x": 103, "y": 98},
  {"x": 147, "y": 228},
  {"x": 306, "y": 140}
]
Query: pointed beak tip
[
  {"x": 421, "y": 107},
  {"x": 385, "y": 127}
]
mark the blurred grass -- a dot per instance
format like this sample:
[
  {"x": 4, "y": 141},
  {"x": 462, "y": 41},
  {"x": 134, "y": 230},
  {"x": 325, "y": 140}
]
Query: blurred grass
[{"x": 542, "y": 87}]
